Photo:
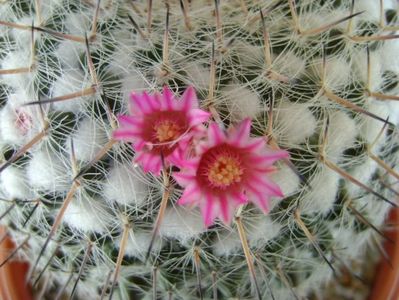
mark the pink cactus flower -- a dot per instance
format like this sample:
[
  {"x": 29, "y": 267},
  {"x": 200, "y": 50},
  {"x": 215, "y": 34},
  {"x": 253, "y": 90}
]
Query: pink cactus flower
[
  {"x": 230, "y": 169},
  {"x": 160, "y": 125}
]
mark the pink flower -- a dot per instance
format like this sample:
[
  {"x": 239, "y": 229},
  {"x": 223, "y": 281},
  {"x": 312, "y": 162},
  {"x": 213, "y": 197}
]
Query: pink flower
[
  {"x": 160, "y": 125},
  {"x": 230, "y": 169}
]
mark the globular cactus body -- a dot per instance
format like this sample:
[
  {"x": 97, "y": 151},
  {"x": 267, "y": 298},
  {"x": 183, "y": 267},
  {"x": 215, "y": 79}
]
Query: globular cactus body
[{"x": 318, "y": 79}]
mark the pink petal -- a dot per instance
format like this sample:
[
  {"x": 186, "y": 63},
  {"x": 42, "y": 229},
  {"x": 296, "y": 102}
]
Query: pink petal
[
  {"x": 149, "y": 162},
  {"x": 129, "y": 120},
  {"x": 197, "y": 116},
  {"x": 216, "y": 135},
  {"x": 259, "y": 199},
  {"x": 208, "y": 210},
  {"x": 183, "y": 178},
  {"x": 125, "y": 134},
  {"x": 140, "y": 102},
  {"x": 241, "y": 133},
  {"x": 152, "y": 102},
  {"x": 240, "y": 198},
  {"x": 191, "y": 194},
  {"x": 266, "y": 159},
  {"x": 267, "y": 186},
  {"x": 168, "y": 98},
  {"x": 226, "y": 209},
  {"x": 189, "y": 99}
]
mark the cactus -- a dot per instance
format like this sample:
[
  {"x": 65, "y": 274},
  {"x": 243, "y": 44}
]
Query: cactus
[{"x": 318, "y": 79}]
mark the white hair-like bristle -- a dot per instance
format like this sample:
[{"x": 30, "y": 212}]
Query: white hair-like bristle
[
  {"x": 390, "y": 50},
  {"x": 71, "y": 81},
  {"x": 359, "y": 58},
  {"x": 260, "y": 230},
  {"x": 88, "y": 139},
  {"x": 241, "y": 102},
  {"x": 341, "y": 135},
  {"x": 337, "y": 72},
  {"x": 324, "y": 187},
  {"x": 126, "y": 185},
  {"x": 133, "y": 82},
  {"x": 294, "y": 123},
  {"x": 370, "y": 127},
  {"x": 226, "y": 243},
  {"x": 289, "y": 64},
  {"x": 87, "y": 214},
  {"x": 19, "y": 123},
  {"x": 138, "y": 243},
  {"x": 286, "y": 179},
  {"x": 181, "y": 224},
  {"x": 20, "y": 58},
  {"x": 363, "y": 173},
  {"x": 14, "y": 183},
  {"x": 370, "y": 8},
  {"x": 197, "y": 75},
  {"x": 69, "y": 54},
  {"x": 46, "y": 171}
]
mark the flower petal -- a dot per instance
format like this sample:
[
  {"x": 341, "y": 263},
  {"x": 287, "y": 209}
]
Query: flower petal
[
  {"x": 197, "y": 116},
  {"x": 191, "y": 194},
  {"x": 189, "y": 99},
  {"x": 241, "y": 133},
  {"x": 216, "y": 135},
  {"x": 140, "y": 102},
  {"x": 168, "y": 98}
]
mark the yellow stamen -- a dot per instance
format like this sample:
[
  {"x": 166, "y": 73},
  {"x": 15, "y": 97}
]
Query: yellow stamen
[
  {"x": 166, "y": 131},
  {"x": 225, "y": 171}
]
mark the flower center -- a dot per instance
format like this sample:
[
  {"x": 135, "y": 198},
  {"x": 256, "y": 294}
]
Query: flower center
[
  {"x": 166, "y": 131},
  {"x": 224, "y": 171}
]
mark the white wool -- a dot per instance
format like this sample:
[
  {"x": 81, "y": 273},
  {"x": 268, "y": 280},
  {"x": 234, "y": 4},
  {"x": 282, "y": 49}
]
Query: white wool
[
  {"x": 181, "y": 224},
  {"x": 197, "y": 75},
  {"x": 250, "y": 55},
  {"x": 260, "y": 230},
  {"x": 394, "y": 112},
  {"x": 286, "y": 179},
  {"x": 241, "y": 102},
  {"x": 122, "y": 61},
  {"x": 78, "y": 24},
  {"x": 323, "y": 189},
  {"x": 287, "y": 63},
  {"x": 362, "y": 173},
  {"x": 342, "y": 133},
  {"x": 294, "y": 123},
  {"x": 359, "y": 60},
  {"x": 133, "y": 81},
  {"x": 87, "y": 214},
  {"x": 337, "y": 73},
  {"x": 389, "y": 55},
  {"x": 69, "y": 53},
  {"x": 351, "y": 245},
  {"x": 126, "y": 185},
  {"x": 24, "y": 37},
  {"x": 14, "y": 183},
  {"x": 226, "y": 243},
  {"x": 88, "y": 139},
  {"x": 370, "y": 127},
  {"x": 371, "y": 10},
  {"x": 20, "y": 58},
  {"x": 138, "y": 243},
  {"x": 46, "y": 171},
  {"x": 70, "y": 82},
  {"x": 18, "y": 123}
]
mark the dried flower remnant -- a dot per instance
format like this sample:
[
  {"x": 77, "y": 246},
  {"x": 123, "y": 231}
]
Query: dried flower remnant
[
  {"x": 230, "y": 169},
  {"x": 160, "y": 125}
]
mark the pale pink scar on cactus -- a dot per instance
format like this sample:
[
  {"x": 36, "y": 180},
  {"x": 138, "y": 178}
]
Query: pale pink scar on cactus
[
  {"x": 229, "y": 169},
  {"x": 160, "y": 125}
]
